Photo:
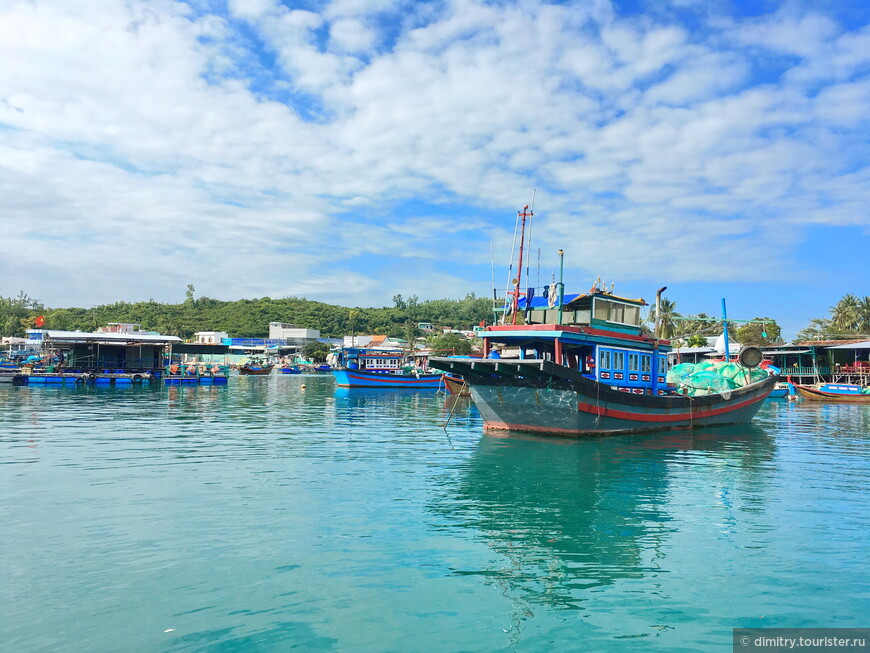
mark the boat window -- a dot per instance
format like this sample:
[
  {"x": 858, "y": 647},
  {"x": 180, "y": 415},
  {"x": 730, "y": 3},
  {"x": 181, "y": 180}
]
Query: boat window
[
  {"x": 633, "y": 362},
  {"x": 604, "y": 362},
  {"x": 601, "y": 309},
  {"x": 632, "y": 315},
  {"x": 645, "y": 363},
  {"x": 618, "y": 360},
  {"x": 617, "y": 313},
  {"x": 663, "y": 364}
]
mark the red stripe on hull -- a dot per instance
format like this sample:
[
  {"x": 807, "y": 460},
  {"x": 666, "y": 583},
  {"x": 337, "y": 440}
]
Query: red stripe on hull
[
  {"x": 385, "y": 379},
  {"x": 661, "y": 418}
]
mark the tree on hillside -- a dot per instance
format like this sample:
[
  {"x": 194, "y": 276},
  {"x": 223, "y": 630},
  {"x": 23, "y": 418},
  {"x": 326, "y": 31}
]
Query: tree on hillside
[
  {"x": 316, "y": 351},
  {"x": 758, "y": 332},
  {"x": 450, "y": 343},
  {"x": 410, "y": 332},
  {"x": 18, "y": 313}
]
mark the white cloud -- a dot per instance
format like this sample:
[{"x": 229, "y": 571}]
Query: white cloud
[
  {"x": 143, "y": 136},
  {"x": 351, "y": 35}
]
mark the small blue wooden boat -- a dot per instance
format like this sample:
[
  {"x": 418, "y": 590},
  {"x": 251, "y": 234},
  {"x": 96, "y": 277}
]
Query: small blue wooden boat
[
  {"x": 379, "y": 368},
  {"x": 291, "y": 369},
  {"x": 781, "y": 390}
]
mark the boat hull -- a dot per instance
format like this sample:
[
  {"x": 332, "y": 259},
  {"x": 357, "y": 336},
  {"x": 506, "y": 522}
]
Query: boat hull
[
  {"x": 362, "y": 379},
  {"x": 247, "y": 371},
  {"x": 456, "y": 386},
  {"x": 817, "y": 395},
  {"x": 540, "y": 397}
]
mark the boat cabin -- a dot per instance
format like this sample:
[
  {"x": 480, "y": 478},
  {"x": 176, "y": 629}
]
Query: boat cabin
[
  {"x": 371, "y": 360},
  {"x": 599, "y": 335}
]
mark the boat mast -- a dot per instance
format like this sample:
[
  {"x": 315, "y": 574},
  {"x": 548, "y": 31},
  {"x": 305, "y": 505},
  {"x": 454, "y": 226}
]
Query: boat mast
[{"x": 525, "y": 213}]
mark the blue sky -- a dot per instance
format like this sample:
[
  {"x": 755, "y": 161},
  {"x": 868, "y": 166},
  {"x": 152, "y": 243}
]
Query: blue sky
[{"x": 350, "y": 150}]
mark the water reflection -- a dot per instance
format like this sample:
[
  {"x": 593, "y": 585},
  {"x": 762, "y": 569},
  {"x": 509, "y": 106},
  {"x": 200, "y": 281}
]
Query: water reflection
[{"x": 568, "y": 517}]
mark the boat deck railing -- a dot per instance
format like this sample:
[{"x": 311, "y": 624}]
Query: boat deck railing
[{"x": 805, "y": 371}]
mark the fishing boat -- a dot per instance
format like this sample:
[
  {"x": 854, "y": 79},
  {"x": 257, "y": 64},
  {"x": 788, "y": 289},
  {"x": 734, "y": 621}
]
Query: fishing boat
[
  {"x": 456, "y": 385},
  {"x": 11, "y": 374},
  {"x": 380, "y": 368},
  {"x": 781, "y": 390},
  {"x": 835, "y": 392},
  {"x": 586, "y": 366},
  {"x": 255, "y": 368},
  {"x": 290, "y": 369}
]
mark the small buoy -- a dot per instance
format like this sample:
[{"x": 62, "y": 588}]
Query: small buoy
[
  {"x": 169, "y": 630},
  {"x": 303, "y": 385}
]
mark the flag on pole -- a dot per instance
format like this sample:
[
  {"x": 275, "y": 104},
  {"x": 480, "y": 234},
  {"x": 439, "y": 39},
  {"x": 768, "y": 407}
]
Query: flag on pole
[{"x": 40, "y": 321}]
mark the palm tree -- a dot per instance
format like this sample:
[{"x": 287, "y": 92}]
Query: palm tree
[
  {"x": 667, "y": 327},
  {"x": 846, "y": 314},
  {"x": 864, "y": 315}
]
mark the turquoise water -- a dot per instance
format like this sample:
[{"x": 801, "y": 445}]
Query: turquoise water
[{"x": 265, "y": 516}]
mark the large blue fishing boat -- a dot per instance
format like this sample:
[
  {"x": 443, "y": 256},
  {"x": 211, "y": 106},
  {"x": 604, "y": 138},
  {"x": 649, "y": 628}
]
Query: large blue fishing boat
[
  {"x": 380, "y": 368},
  {"x": 582, "y": 364}
]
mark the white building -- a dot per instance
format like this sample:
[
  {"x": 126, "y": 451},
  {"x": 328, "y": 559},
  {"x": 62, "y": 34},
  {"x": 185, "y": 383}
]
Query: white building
[
  {"x": 209, "y": 337},
  {"x": 283, "y": 331}
]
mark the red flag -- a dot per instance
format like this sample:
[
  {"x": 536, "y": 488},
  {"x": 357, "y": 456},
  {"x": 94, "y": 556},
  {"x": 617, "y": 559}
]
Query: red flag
[
  {"x": 483, "y": 323},
  {"x": 40, "y": 321}
]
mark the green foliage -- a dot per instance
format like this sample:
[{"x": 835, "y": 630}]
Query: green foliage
[
  {"x": 18, "y": 313},
  {"x": 316, "y": 351},
  {"x": 450, "y": 343},
  {"x": 248, "y": 318},
  {"x": 700, "y": 324},
  {"x": 764, "y": 333},
  {"x": 668, "y": 323},
  {"x": 696, "y": 340},
  {"x": 818, "y": 329},
  {"x": 849, "y": 317}
]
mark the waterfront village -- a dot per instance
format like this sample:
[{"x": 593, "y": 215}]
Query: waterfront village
[{"x": 124, "y": 353}]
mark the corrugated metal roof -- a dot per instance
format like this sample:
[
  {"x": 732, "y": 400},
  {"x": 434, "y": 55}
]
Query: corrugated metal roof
[
  {"x": 854, "y": 345},
  {"x": 108, "y": 337},
  {"x": 692, "y": 350},
  {"x": 768, "y": 352},
  {"x": 828, "y": 343}
]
